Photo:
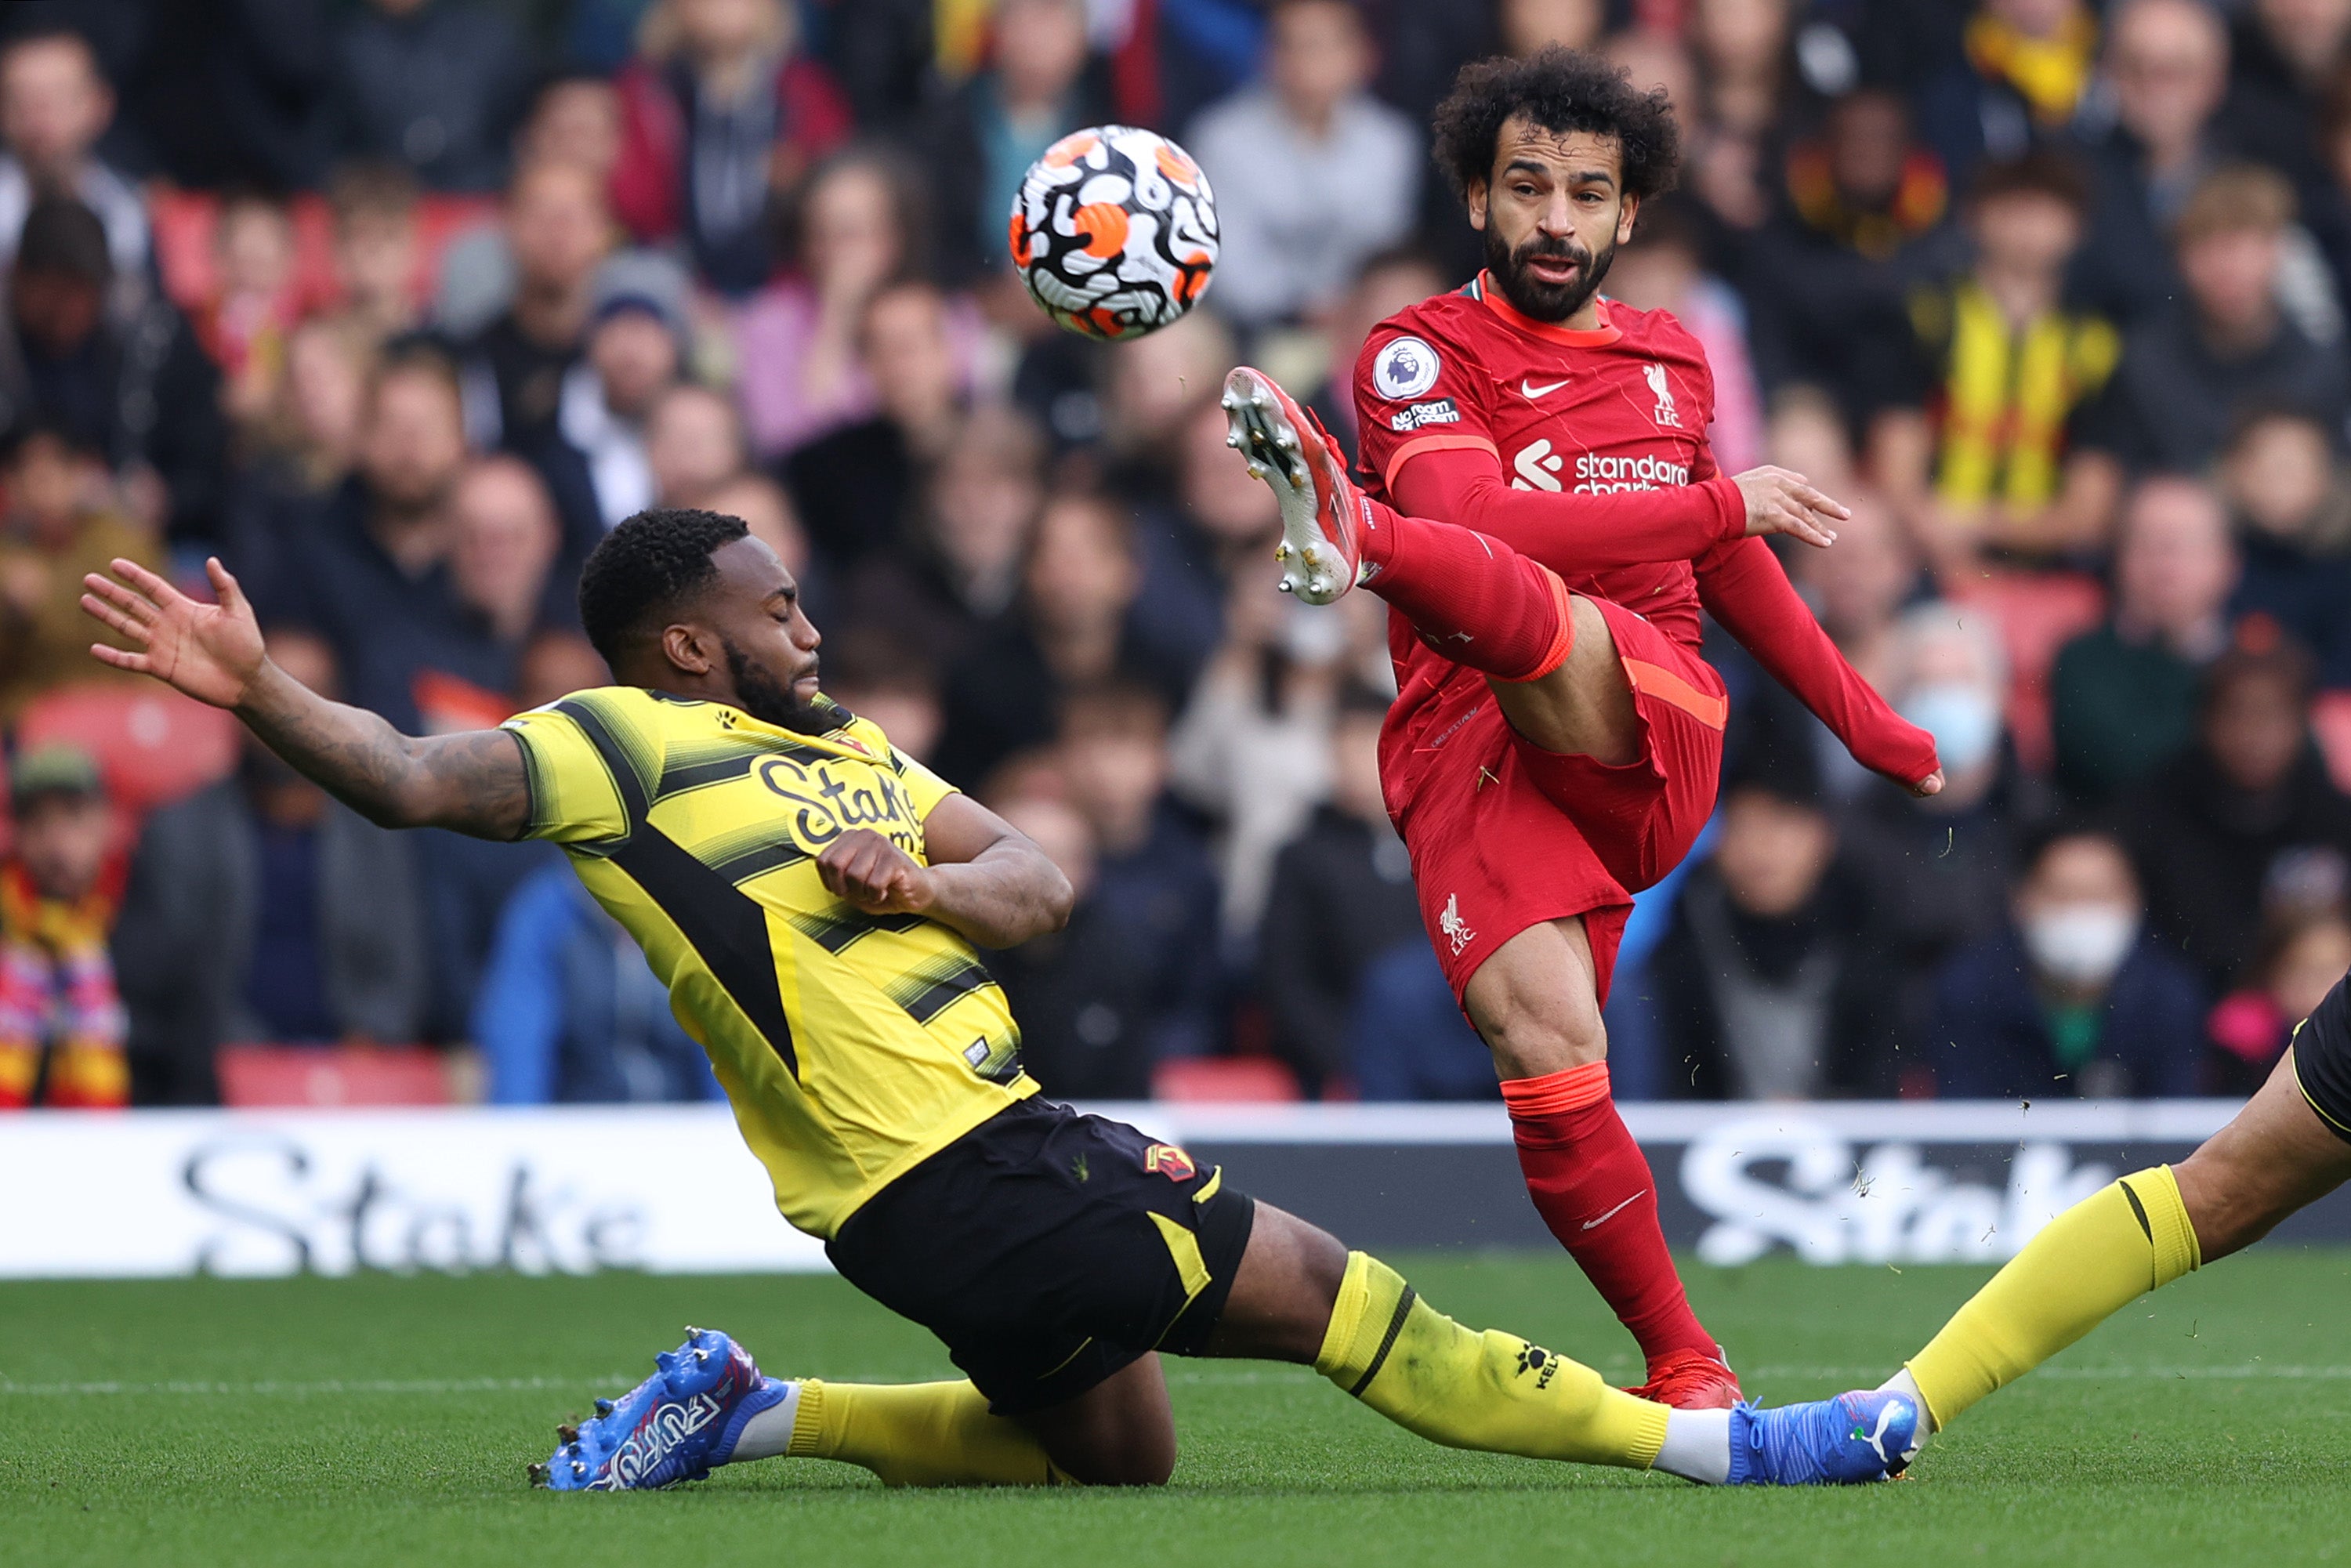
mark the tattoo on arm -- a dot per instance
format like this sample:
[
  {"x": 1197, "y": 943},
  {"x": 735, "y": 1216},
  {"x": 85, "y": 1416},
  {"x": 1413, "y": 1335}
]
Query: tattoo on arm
[{"x": 475, "y": 783}]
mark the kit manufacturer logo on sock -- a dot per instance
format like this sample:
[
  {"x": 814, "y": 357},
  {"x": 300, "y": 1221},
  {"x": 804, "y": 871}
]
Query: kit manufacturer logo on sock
[{"x": 1534, "y": 1358}]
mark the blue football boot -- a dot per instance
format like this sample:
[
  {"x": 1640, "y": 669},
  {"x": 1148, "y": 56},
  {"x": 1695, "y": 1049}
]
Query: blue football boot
[
  {"x": 1861, "y": 1436},
  {"x": 677, "y": 1426}
]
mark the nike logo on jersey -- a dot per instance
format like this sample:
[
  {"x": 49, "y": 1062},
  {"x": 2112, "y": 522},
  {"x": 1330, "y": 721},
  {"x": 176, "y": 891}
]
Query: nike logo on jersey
[
  {"x": 1533, "y": 392},
  {"x": 1612, "y": 1213}
]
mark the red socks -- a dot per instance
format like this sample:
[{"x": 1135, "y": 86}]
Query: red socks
[
  {"x": 1591, "y": 1185},
  {"x": 1473, "y": 598}
]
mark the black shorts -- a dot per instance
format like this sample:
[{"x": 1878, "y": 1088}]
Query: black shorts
[
  {"x": 2322, "y": 1059},
  {"x": 1050, "y": 1250}
]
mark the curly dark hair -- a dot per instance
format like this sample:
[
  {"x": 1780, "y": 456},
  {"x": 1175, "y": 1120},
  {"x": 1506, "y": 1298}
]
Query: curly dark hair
[
  {"x": 652, "y": 562},
  {"x": 1559, "y": 90}
]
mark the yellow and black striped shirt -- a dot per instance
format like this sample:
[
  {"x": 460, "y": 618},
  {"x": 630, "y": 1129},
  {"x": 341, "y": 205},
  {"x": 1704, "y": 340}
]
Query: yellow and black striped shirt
[
  {"x": 852, "y": 1045},
  {"x": 2004, "y": 398}
]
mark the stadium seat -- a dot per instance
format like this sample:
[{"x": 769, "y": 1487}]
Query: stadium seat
[
  {"x": 2039, "y": 612},
  {"x": 1222, "y": 1079},
  {"x": 155, "y": 746},
  {"x": 183, "y": 222},
  {"x": 280, "y": 1076}
]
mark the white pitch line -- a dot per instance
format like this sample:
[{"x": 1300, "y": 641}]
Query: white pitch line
[
  {"x": 330, "y": 1386},
  {"x": 2247, "y": 1371},
  {"x": 1200, "y": 1376}
]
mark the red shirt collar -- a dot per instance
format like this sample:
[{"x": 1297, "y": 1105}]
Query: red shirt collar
[{"x": 1597, "y": 337}]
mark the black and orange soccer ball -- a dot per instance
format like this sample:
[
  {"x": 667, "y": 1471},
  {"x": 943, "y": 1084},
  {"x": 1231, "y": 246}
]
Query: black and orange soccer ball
[{"x": 1115, "y": 231}]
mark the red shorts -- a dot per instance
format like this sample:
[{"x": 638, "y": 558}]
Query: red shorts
[{"x": 1505, "y": 835}]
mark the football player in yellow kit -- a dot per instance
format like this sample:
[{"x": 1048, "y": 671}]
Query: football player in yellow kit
[{"x": 815, "y": 901}]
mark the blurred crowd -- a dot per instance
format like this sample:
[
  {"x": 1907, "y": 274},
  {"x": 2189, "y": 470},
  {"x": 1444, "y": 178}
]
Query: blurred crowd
[{"x": 396, "y": 305}]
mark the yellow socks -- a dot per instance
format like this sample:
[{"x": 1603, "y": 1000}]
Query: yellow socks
[
  {"x": 918, "y": 1435},
  {"x": 2095, "y": 1259},
  {"x": 1489, "y": 1391}
]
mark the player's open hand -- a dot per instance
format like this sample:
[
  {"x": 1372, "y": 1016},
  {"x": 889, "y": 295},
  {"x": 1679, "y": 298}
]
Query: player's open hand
[
  {"x": 211, "y": 652},
  {"x": 1779, "y": 502},
  {"x": 874, "y": 874}
]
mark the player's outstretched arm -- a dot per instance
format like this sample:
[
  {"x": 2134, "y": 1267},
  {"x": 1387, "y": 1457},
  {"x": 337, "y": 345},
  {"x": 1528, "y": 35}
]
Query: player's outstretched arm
[
  {"x": 1574, "y": 533},
  {"x": 473, "y": 782},
  {"x": 1743, "y": 587},
  {"x": 987, "y": 880}
]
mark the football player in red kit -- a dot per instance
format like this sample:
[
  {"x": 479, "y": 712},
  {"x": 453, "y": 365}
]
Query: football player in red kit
[{"x": 1541, "y": 511}]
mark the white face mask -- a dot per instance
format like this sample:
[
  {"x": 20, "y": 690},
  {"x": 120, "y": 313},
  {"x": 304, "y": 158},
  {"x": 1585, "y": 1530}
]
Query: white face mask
[
  {"x": 2081, "y": 944},
  {"x": 1963, "y": 719}
]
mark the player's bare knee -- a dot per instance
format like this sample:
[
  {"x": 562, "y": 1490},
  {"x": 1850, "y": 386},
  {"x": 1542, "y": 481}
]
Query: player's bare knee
[
  {"x": 2230, "y": 1204},
  {"x": 1280, "y": 1302},
  {"x": 1533, "y": 1036}
]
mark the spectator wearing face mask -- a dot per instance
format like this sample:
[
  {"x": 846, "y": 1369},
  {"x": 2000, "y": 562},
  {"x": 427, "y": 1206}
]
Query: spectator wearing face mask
[
  {"x": 2122, "y": 696},
  {"x": 1938, "y": 868},
  {"x": 2245, "y": 821},
  {"x": 1767, "y": 981},
  {"x": 61, "y": 1022},
  {"x": 2303, "y": 953},
  {"x": 2076, "y": 997}
]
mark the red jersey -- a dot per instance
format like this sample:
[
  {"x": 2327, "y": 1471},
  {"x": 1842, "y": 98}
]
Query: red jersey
[{"x": 1586, "y": 450}]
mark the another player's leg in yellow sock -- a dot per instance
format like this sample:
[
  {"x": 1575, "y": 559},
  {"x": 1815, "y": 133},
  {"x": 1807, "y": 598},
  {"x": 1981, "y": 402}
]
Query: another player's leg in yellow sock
[
  {"x": 1491, "y": 1391},
  {"x": 909, "y": 1434},
  {"x": 2089, "y": 1262}
]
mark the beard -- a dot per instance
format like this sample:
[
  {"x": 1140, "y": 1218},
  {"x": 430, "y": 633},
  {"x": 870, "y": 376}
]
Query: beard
[
  {"x": 1531, "y": 297},
  {"x": 770, "y": 701}
]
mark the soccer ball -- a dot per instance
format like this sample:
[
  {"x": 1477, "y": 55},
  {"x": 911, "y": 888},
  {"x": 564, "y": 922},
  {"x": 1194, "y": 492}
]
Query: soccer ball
[{"x": 1115, "y": 231}]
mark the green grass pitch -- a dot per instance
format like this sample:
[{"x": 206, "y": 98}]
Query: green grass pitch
[{"x": 388, "y": 1420}]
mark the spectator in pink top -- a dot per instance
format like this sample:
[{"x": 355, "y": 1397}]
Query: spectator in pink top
[{"x": 857, "y": 229}]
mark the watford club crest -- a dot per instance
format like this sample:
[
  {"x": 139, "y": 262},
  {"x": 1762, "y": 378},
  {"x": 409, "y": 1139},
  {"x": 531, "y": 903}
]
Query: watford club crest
[{"x": 1170, "y": 1161}]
